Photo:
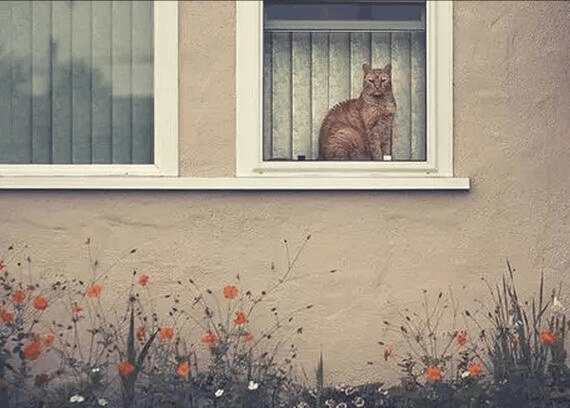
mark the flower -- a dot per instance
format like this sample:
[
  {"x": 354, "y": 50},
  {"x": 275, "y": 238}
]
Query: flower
[
  {"x": 6, "y": 316},
  {"x": 102, "y": 402},
  {"x": 18, "y": 297},
  {"x": 31, "y": 288},
  {"x": 76, "y": 398},
  {"x": 240, "y": 318},
  {"x": 230, "y": 292},
  {"x": 514, "y": 341},
  {"x": 248, "y": 337},
  {"x": 77, "y": 308},
  {"x": 141, "y": 332},
  {"x": 2, "y": 265},
  {"x": 474, "y": 369},
  {"x": 462, "y": 337},
  {"x": 125, "y": 368},
  {"x": 143, "y": 280},
  {"x": 32, "y": 350},
  {"x": 94, "y": 290},
  {"x": 433, "y": 373},
  {"x": 548, "y": 337},
  {"x": 40, "y": 303},
  {"x": 166, "y": 333},
  {"x": 388, "y": 351},
  {"x": 210, "y": 339},
  {"x": 219, "y": 393},
  {"x": 557, "y": 307},
  {"x": 358, "y": 402},
  {"x": 183, "y": 370},
  {"x": 252, "y": 386},
  {"x": 49, "y": 339}
]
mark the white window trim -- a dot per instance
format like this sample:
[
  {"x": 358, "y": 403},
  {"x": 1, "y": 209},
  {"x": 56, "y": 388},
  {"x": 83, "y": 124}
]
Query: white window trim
[
  {"x": 165, "y": 116},
  {"x": 249, "y": 79}
]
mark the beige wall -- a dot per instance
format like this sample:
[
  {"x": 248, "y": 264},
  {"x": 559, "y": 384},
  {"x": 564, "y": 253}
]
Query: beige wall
[{"x": 512, "y": 117}]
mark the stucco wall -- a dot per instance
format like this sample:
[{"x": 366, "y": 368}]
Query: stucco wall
[{"x": 512, "y": 117}]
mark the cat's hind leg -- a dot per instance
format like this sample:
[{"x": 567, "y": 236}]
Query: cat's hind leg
[{"x": 345, "y": 144}]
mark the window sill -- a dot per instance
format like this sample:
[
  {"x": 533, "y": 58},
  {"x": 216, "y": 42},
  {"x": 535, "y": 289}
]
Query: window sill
[{"x": 234, "y": 183}]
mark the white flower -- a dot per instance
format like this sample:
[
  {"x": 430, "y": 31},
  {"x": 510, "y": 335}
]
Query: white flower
[
  {"x": 465, "y": 374},
  {"x": 95, "y": 370},
  {"x": 219, "y": 393},
  {"x": 330, "y": 403},
  {"x": 557, "y": 306},
  {"x": 358, "y": 402},
  {"x": 349, "y": 390},
  {"x": 342, "y": 405},
  {"x": 102, "y": 402},
  {"x": 76, "y": 398},
  {"x": 252, "y": 386}
]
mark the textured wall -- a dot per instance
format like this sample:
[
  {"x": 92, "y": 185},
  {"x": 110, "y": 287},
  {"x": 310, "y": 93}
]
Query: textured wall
[{"x": 512, "y": 117}]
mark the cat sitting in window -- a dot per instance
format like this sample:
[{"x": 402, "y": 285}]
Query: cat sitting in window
[{"x": 361, "y": 129}]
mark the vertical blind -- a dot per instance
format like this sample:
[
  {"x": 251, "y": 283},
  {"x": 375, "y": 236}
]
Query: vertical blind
[
  {"x": 76, "y": 82},
  {"x": 308, "y": 72}
]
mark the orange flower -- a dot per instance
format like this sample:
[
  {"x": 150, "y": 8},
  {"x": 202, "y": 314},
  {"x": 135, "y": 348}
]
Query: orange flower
[
  {"x": 6, "y": 316},
  {"x": 141, "y": 332},
  {"x": 94, "y": 290},
  {"x": 33, "y": 349},
  {"x": 462, "y": 337},
  {"x": 210, "y": 339},
  {"x": 548, "y": 337},
  {"x": 49, "y": 339},
  {"x": 40, "y": 303},
  {"x": 248, "y": 337},
  {"x": 2, "y": 265},
  {"x": 166, "y": 333},
  {"x": 125, "y": 368},
  {"x": 77, "y": 308},
  {"x": 474, "y": 369},
  {"x": 230, "y": 292},
  {"x": 240, "y": 318},
  {"x": 18, "y": 297},
  {"x": 388, "y": 351},
  {"x": 433, "y": 374},
  {"x": 143, "y": 280},
  {"x": 183, "y": 370}
]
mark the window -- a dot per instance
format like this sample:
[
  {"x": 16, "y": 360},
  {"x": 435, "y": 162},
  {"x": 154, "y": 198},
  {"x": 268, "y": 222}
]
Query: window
[
  {"x": 88, "y": 88},
  {"x": 296, "y": 60}
]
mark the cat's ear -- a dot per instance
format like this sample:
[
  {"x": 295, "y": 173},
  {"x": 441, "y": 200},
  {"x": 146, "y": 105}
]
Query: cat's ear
[
  {"x": 366, "y": 68},
  {"x": 388, "y": 69}
]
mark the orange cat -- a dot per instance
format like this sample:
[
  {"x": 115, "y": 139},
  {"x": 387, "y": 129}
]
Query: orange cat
[{"x": 361, "y": 129}]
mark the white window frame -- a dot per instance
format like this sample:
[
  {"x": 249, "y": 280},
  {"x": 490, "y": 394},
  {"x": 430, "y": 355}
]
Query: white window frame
[
  {"x": 165, "y": 115},
  {"x": 436, "y": 171}
]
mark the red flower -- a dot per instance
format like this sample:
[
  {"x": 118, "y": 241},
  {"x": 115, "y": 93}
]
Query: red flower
[
  {"x": 462, "y": 337},
  {"x": 18, "y": 297},
  {"x": 248, "y": 337},
  {"x": 33, "y": 350},
  {"x": 515, "y": 341},
  {"x": 6, "y": 316},
  {"x": 125, "y": 368},
  {"x": 548, "y": 337},
  {"x": 31, "y": 288},
  {"x": 474, "y": 369},
  {"x": 40, "y": 303},
  {"x": 433, "y": 374},
  {"x": 94, "y": 290},
  {"x": 77, "y": 308},
  {"x": 2, "y": 265},
  {"x": 49, "y": 339},
  {"x": 141, "y": 332},
  {"x": 183, "y": 370},
  {"x": 143, "y": 280},
  {"x": 240, "y": 318},
  {"x": 210, "y": 339},
  {"x": 166, "y": 333},
  {"x": 230, "y": 292},
  {"x": 388, "y": 351}
]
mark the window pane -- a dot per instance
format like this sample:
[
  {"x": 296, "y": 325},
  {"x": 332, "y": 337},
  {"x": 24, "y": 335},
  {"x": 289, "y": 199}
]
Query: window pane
[
  {"x": 308, "y": 72},
  {"x": 76, "y": 82}
]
